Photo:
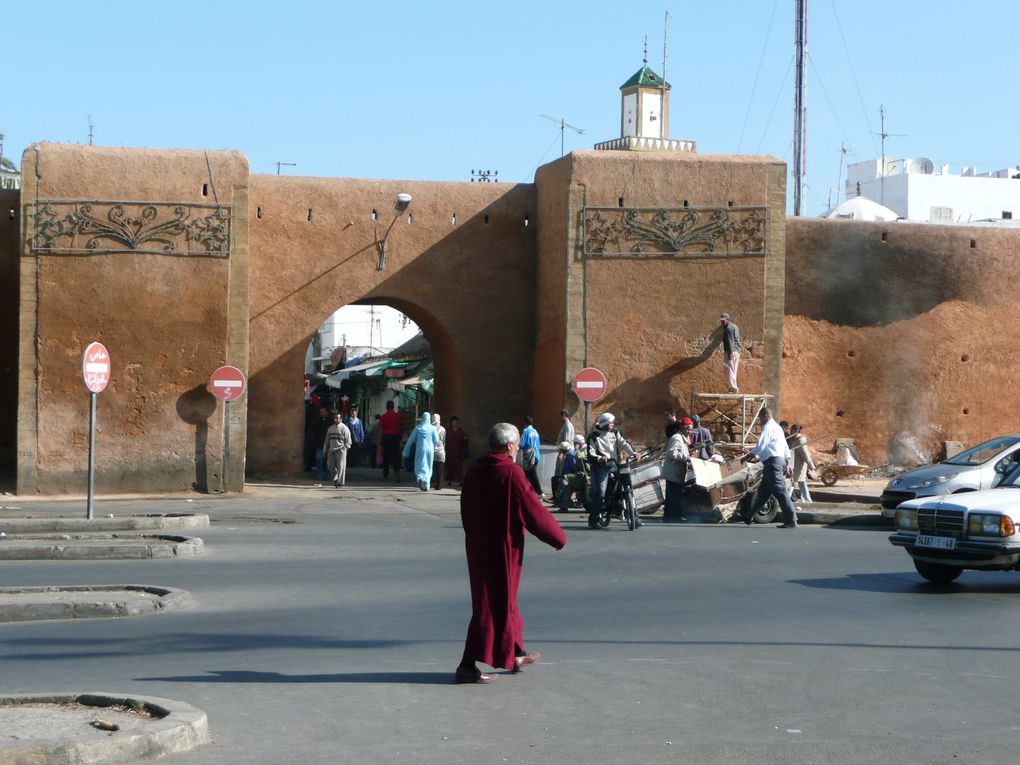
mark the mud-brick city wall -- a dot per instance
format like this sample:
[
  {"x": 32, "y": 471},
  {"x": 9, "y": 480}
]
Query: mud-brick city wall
[
  {"x": 10, "y": 205},
  {"x": 123, "y": 246},
  {"x": 460, "y": 262},
  {"x": 901, "y": 335},
  {"x": 651, "y": 321}
]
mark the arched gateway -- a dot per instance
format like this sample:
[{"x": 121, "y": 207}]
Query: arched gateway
[{"x": 181, "y": 261}]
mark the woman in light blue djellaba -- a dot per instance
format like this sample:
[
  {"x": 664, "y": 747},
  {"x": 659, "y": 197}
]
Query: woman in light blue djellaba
[{"x": 422, "y": 444}]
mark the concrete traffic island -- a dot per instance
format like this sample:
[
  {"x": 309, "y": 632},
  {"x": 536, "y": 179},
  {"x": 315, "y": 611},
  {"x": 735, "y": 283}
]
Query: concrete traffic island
[
  {"x": 20, "y": 604},
  {"x": 153, "y": 522},
  {"x": 97, "y": 728},
  {"x": 80, "y": 546}
]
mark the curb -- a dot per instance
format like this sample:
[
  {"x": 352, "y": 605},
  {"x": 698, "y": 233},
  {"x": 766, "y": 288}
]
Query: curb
[
  {"x": 41, "y": 525},
  {"x": 177, "y": 727},
  {"x": 104, "y": 607},
  {"x": 130, "y": 548}
]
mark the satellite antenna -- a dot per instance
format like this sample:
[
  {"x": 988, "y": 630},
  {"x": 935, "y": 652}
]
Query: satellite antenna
[{"x": 563, "y": 126}]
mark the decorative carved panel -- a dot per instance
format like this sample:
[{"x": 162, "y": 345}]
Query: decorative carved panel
[
  {"x": 683, "y": 232},
  {"x": 160, "y": 228}
]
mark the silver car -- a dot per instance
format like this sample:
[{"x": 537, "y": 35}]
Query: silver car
[{"x": 980, "y": 467}]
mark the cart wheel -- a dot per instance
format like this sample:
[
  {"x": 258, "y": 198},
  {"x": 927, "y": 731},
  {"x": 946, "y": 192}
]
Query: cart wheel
[{"x": 829, "y": 477}]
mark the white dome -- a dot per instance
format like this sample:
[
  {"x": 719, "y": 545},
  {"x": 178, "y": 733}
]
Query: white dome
[{"x": 861, "y": 208}]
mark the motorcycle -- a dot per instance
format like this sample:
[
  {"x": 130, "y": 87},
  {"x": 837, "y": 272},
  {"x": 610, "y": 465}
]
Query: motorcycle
[{"x": 618, "y": 502}]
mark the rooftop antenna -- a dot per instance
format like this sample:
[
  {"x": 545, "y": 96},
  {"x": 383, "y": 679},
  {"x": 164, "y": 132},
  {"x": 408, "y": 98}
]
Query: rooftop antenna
[
  {"x": 284, "y": 164},
  {"x": 563, "y": 126},
  {"x": 799, "y": 108},
  {"x": 90, "y": 130},
  {"x": 884, "y": 135},
  {"x": 839, "y": 178},
  {"x": 662, "y": 85}
]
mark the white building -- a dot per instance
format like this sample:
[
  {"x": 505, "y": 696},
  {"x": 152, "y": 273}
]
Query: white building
[{"x": 914, "y": 191}]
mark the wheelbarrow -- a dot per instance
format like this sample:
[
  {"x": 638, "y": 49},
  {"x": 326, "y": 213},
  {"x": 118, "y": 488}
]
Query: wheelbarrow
[{"x": 832, "y": 473}]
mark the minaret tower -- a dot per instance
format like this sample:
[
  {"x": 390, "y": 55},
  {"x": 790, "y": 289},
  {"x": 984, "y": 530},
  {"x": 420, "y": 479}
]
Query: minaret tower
[{"x": 644, "y": 114}]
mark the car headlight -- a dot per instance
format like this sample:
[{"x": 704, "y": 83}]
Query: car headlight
[
  {"x": 990, "y": 525},
  {"x": 936, "y": 481},
  {"x": 906, "y": 519}
]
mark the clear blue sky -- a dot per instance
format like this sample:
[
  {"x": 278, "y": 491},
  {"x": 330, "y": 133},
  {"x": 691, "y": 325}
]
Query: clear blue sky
[{"x": 432, "y": 90}]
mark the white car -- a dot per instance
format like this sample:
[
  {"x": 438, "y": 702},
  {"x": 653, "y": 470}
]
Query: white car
[
  {"x": 977, "y": 531},
  {"x": 977, "y": 468}
]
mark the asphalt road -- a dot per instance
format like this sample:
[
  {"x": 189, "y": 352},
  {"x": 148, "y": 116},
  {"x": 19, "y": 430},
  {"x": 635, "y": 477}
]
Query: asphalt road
[{"x": 332, "y": 638}]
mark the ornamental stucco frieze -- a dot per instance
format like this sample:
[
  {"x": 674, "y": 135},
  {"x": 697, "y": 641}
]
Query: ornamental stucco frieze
[
  {"x": 682, "y": 232},
  {"x": 160, "y": 228}
]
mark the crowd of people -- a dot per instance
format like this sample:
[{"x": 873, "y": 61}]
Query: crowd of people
[{"x": 335, "y": 441}]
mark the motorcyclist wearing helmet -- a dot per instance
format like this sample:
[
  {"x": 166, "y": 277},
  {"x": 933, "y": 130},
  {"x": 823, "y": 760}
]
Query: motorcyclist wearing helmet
[{"x": 605, "y": 443}]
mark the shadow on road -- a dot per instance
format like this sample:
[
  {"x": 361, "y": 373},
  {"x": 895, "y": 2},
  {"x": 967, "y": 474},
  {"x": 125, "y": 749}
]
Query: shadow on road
[
  {"x": 247, "y": 676},
  {"x": 908, "y": 582}
]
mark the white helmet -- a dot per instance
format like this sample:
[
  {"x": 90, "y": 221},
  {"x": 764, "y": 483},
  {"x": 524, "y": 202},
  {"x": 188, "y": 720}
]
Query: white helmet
[{"x": 604, "y": 421}]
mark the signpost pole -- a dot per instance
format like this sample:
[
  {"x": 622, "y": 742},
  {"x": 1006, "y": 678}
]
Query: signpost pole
[
  {"x": 92, "y": 456},
  {"x": 226, "y": 444}
]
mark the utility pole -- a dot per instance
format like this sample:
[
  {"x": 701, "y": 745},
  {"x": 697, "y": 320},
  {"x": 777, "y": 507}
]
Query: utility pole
[
  {"x": 799, "y": 108},
  {"x": 90, "y": 130},
  {"x": 284, "y": 164},
  {"x": 884, "y": 135}
]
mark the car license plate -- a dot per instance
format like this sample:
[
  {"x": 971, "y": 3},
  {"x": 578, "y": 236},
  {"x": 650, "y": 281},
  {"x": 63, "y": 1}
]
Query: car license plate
[{"x": 941, "y": 543}]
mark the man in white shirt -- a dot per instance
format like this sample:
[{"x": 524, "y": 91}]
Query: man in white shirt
[{"x": 774, "y": 454}]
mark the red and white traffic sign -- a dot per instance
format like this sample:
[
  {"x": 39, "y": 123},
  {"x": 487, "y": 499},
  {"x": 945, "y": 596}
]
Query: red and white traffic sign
[
  {"x": 590, "y": 384},
  {"x": 95, "y": 367},
  {"x": 227, "y": 383}
]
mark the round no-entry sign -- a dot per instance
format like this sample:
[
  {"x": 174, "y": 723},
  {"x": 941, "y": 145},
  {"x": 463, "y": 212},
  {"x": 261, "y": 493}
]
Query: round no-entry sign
[
  {"x": 95, "y": 367},
  {"x": 227, "y": 383},
  {"x": 590, "y": 384}
]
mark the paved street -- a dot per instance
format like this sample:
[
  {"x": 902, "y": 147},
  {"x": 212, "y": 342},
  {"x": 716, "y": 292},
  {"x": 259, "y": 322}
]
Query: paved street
[{"x": 327, "y": 625}]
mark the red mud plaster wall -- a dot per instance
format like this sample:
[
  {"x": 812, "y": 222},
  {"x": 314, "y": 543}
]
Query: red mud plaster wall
[
  {"x": 463, "y": 269},
  {"x": 162, "y": 317},
  {"x": 901, "y": 342}
]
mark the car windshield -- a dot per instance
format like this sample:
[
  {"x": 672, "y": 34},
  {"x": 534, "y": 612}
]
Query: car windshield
[{"x": 981, "y": 453}]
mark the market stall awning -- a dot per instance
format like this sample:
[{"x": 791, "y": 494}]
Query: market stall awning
[{"x": 368, "y": 368}]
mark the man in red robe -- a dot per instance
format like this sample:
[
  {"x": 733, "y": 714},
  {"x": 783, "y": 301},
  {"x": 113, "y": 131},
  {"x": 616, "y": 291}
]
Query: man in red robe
[{"x": 497, "y": 505}]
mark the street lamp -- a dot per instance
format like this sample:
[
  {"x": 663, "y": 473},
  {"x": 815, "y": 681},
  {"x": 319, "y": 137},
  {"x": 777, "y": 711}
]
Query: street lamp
[{"x": 400, "y": 204}]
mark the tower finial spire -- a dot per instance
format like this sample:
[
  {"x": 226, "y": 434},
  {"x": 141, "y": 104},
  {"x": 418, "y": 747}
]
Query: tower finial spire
[{"x": 645, "y": 57}]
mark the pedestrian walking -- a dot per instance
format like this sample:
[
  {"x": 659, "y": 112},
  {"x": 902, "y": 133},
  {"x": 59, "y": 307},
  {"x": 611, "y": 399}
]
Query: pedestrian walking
[
  {"x": 497, "y": 507},
  {"x": 392, "y": 428},
  {"x": 439, "y": 456},
  {"x": 357, "y": 428},
  {"x": 802, "y": 462},
  {"x": 374, "y": 444},
  {"x": 731, "y": 351},
  {"x": 774, "y": 454},
  {"x": 457, "y": 451},
  {"x": 566, "y": 428},
  {"x": 336, "y": 445},
  {"x": 531, "y": 454},
  {"x": 421, "y": 449},
  {"x": 320, "y": 425}
]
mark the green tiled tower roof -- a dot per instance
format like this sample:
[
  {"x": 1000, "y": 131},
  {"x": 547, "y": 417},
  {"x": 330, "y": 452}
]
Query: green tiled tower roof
[{"x": 645, "y": 77}]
